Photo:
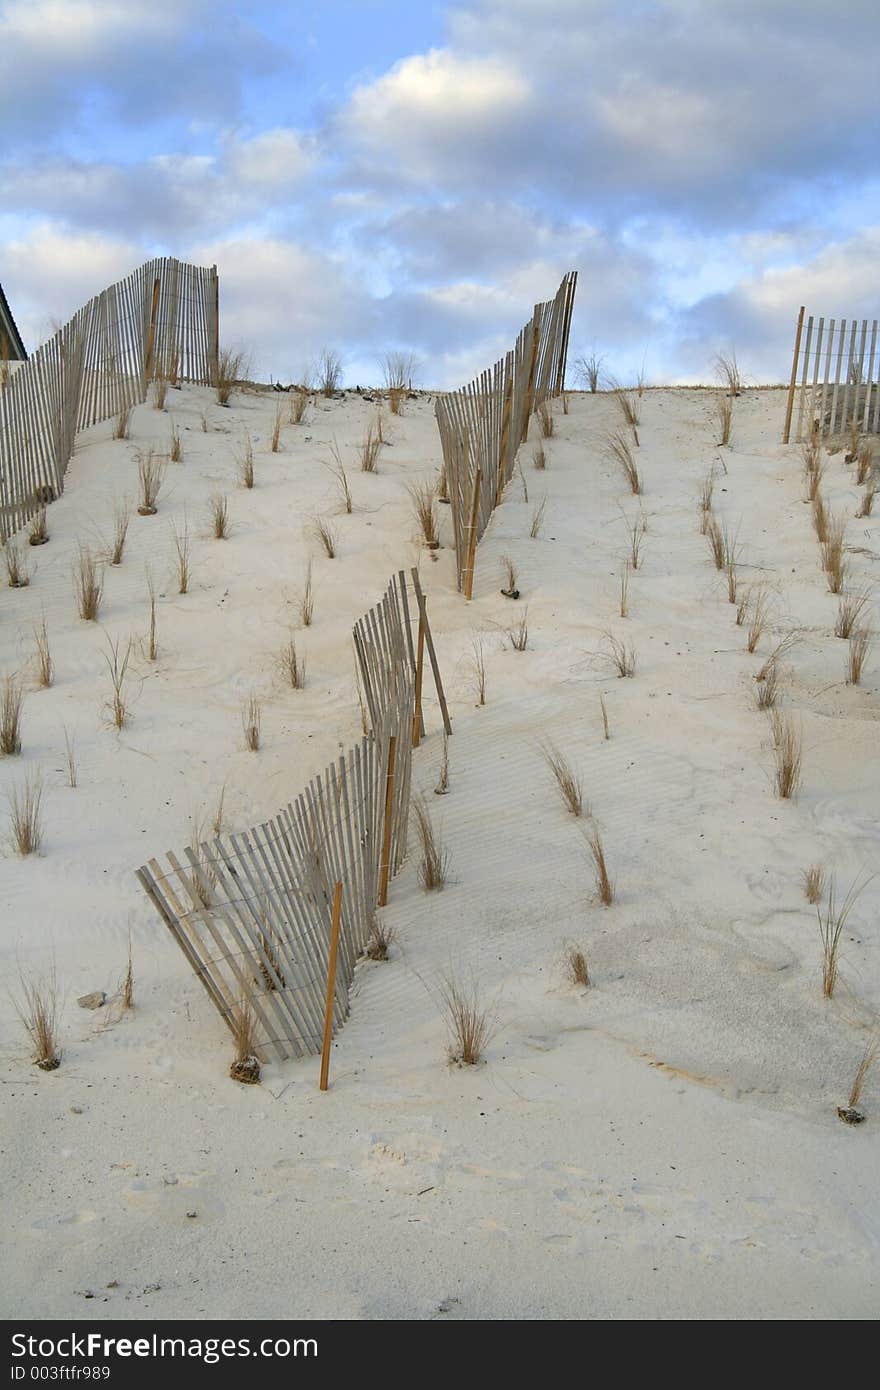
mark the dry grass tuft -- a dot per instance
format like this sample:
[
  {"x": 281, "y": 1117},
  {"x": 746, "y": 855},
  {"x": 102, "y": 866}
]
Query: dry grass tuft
[
  {"x": 604, "y": 708},
  {"x": 724, "y": 411},
  {"x": 814, "y": 468},
  {"x": 628, "y": 405},
  {"x": 508, "y": 569},
  {"x": 121, "y": 518},
  {"x": 338, "y": 471},
  {"x": 576, "y": 968},
  {"x": 869, "y": 1057},
  {"x": 814, "y": 882},
  {"x": 619, "y": 450},
  {"x": 307, "y": 599},
  {"x": 45, "y": 664},
  {"x": 604, "y": 885},
  {"x": 292, "y": 665},
  {"x": 743, "y": 601},
  {"x": 175, "y": 452},
  {"x": 539, "y": 457},
  {"x": 849, "y": 609},
  {"x": 518, "y": 635},
  {"x": 88, "y": 584},
  {"x": 567, "y": 780},
  {"x": 537, "y": 519},
  {"x": 621, "y": 656},
  {"x": 38, "y": 1010},
  {"x": 324, "y": 532},
  {"x": 160, "y": 391},
  {"x": 820, "y": 518},
  {"x": 16, "y": 566},
  {"x": 859, "y": 647},
  {"x": 864, "y": 463},
  {"x": 251, "y": 722},
  {"x": 399, "y": 370},
  {"x": 26, "y": 815},
  {"x": 833, "y": 561},
  {"x": 219, "y": 517},
  {"x": 545, "y": 420},
  {"x": 181, "y": 547},
  {"x": 38, "y": 529},
  {"x": 623, "y": 604},
  {"x": 867, "y": 504},
  {"x": 11, "y": 700},
  {"x": 70, "y": 756},
  {"x": 831, "y": 926},
  {"x": 589, "y": 371},
  {"x": 433, "y": 858},
  {"x": 468, "y": 1023},
  {"x": 727, "y": 371},
  {"x": 231, "y": 368},
  {"x": 767, "y": 688},
  {"x": 120, "y": 428},
  {"x": 637, "y": 529},
  {"x": 298, "y": 401},
  {"x": 758, "y": 620},
  {"x": 478, "y": 669},
  {"x": 245, "y": 1065},
  {"x": 126, "y": 984},
  {"x": 379, "y": 939},
  {"x": 244, "y": 463},
  {"x": 716, "y": 540},
  {"x": 789, "y": 641},
  {"x": 707, "y": 488},
  {"x": 424, "y": 504},
  {"x": 787, "y": 752},
  {"x": 276, "y": 429},
  {"x": 117, "y": 666},
  {"x": 151, "y": 472},
  {"x": 329, "y": 372},
  {"x": 368, "y": 451},
  {"x": 396, "y": 397},
  {"x": 152, "y": 642}
]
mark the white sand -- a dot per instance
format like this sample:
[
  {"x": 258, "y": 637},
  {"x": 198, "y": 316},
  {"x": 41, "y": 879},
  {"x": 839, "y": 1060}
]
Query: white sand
[{"x": 665, "y": 1144}]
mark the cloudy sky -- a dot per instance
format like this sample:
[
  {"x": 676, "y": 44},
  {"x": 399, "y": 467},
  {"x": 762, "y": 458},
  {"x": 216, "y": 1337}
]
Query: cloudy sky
[{"x": 377, "y": 174}]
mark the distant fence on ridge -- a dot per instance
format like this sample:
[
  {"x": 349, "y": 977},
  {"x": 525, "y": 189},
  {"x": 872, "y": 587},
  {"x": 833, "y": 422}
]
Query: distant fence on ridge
[
  {"x": 835, "y": 377},
  {"x": 483, "y": 424},
  {"x": 162, "y": 320}
]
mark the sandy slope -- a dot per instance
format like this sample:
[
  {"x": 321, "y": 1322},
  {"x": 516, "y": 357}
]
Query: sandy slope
[{"x": 663, "y": 1145}]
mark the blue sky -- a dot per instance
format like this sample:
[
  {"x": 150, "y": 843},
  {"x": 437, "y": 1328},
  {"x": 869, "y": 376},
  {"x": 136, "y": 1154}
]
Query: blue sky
[{"x": 371, "y": 175}]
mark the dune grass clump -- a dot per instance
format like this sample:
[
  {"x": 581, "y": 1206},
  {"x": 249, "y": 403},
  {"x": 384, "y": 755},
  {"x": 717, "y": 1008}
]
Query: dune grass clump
[
  {"x": 620, "y": 655},
  {"x": 758, "y": 621},
  {"x": 849, "y": 609},
  {"x": 120, "y": 427},
  {"x": 121, "y": 518},
  {"x": 117, "y": 668},
  {"x": 788, "y": 754},
  {"x": 707, "y": 489},
  {"x": 70, "y": 756},
  {"x": 251, "y": 722},
  {"x": 619, "y": 450},
  {"x": 859, "y": 647},
  {"x": 329, "y": 372},
  {"x": 299, "y": 400},
  {"x": 230, "y": 371},
  {"x": 45, "y": 664},
  {"x": 327, "y": 535},
  {"x": 537, "y": 521},
  {"x": 152, "y": 640},
  {"x": 424, "y": 505},
  {"x": 37, "y": 1008},
  {"x": 182, "y": 551},
  {"x": 38, "y": 529},
  {"x": 275, "y": 442},
  {"x": 545, "y": 420},
  {"x": 588, "y": 369},
  {"x": 850, "y": 1113},
  {"x": 724, "y": 411},
  {"x": 245, "y": 1065},
  {"x": 814, "y": 882},
  {"x": 478, "y": 669},
  {"x": 219, "y": 509},
  {"x": 867, "y": 503},
  {"x": 151, "y": 472},
  {"x": 11, "y": 701},
  {"x": 175, "y": 452},
  {"x": 26, "y": 816},
  {"x": 368, "y": 450},
  {"x": 508, "y": 569},
  {"x": 539, "y": 457},
  {"x": 125, "y": 990},
  {"x": 567, "y": 780},
  {"x": 576, "y": 967},
  {"x": 820, "y": 518},
  {"x": 628, "y": 405},
  {"x": 623, "y": 598},
  {"x": 468, "y": 1022},
  {"x": 814, "y": 468},
  {"x": 292, "y": 665},
  {"x": 379, "y": 939},
  {"x": 767, "y": 688},
  {"x": 306, "y": 603},
  {"x": 605, "y": 724},
  {"x": 16, "y": 566},
  {"x": 864, "y": 464},
  {"x": 433, "y": 862},
  {"x": 716, "y": 540},
  {"x": 603, "y": 882},
  {"x": 338, "y": 471},
  {"x": 831, "y": 927},
  {"x": 833, "y": 561},
  {"x": 244, "y": 463},
  {"x": 727, "y": 371},
  {"x": 518, "y": 635},
  {"x": 636, "y": 529},
  {"x": 160, "y": 391}
]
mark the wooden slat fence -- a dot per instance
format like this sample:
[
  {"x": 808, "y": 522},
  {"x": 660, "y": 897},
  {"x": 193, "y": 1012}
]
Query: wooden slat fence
[
  {"x": 835, "y": 378},
  {"x": 483, "y": 424},
  {"x": 162, "y": 320},
  {"x": 252, "y": 911}
]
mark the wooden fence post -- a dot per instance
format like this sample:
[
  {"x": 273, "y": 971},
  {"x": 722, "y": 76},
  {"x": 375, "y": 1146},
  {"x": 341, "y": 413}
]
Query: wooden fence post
[
  {"x": 331, "y": 986},
  {"x": 472, "y": 537},
  {"x": 791, "y": 385},
  {"x": 151, "y": 336},
  {"x": 417, "y": 585},
  {"x": 216, "y": 325},
  {"x": 386, "y": 831},
  {"x": 505, "y": 434},
  {"x": 420, "y": 663}
]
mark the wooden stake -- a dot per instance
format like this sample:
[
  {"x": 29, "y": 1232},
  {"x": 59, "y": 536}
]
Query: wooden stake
[
  {"x": 386, "y": 833},
  {"x": 435, "y": 666},
  {"x": 472, "y": 537},
  {"x": 791, "y": 385},
  {"x": 151, "y": 338},
  {"x": 505, "y": 433},
  {"x": 216, "y": 325},
  {"x": 331, "y": 986},
  {"x": 420, "y": 663}
]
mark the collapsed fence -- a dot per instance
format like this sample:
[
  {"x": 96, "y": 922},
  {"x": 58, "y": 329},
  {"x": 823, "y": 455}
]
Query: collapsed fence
[
  {"x": 254, "y": 912},
  {"x": 835, "y": 377},
  {"x": 483, "y": 424},
  {"x": 162, "y": 320}
]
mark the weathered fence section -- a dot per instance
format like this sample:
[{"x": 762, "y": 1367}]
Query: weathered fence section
[
  {"x": 252, "y": 912},
  {"x": 162, "y": 320},
  {"x": 835, "y": 378},
  {"x": 483, "y": 424}
]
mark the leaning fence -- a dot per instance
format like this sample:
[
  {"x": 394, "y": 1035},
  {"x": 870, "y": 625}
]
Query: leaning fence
[
  {"x": 162, "y": 320},
  {"x": 835, "y": 378},
  {"x": 253, "y": 912},
  {"x": 483, "y": 424}
]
